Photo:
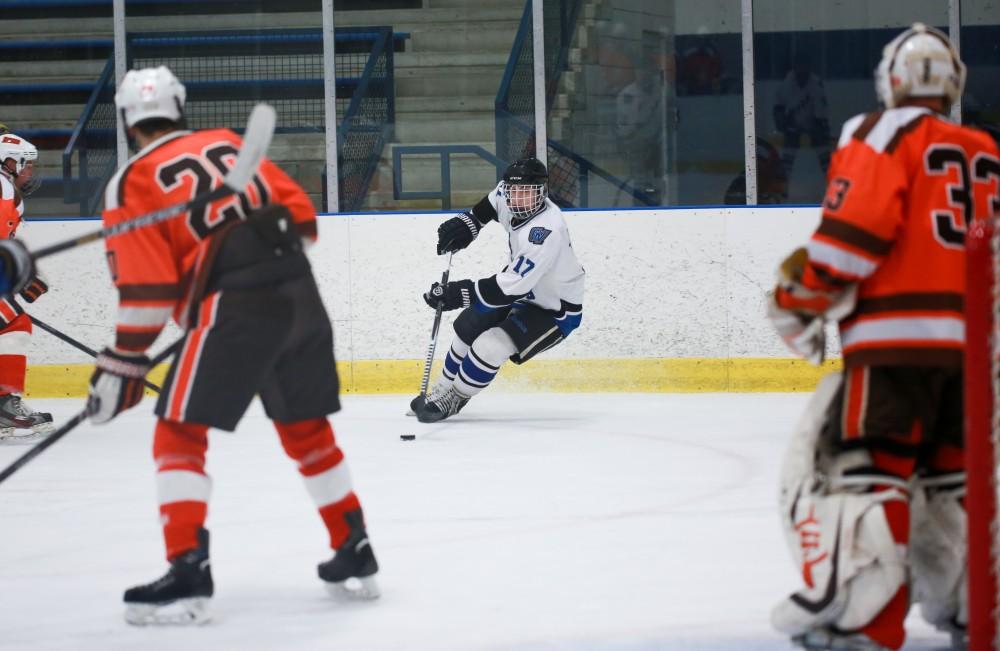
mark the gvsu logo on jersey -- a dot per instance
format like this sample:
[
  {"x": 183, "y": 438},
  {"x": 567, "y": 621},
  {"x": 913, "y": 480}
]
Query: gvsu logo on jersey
[{"x": 538, "y": 234}]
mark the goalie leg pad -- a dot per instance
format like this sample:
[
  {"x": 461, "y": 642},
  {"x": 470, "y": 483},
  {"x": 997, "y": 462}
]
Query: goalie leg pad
[
  {"x": 938, "y": 551},
  {"x": 850, "y": 562}
]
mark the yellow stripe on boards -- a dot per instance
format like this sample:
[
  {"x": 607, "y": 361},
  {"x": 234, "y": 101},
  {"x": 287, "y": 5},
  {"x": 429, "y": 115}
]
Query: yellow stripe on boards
[{"x": 740, "y": 375}]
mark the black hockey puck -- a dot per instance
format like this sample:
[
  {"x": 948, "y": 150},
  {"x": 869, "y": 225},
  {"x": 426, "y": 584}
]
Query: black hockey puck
[{"x": 407, "y": 437}]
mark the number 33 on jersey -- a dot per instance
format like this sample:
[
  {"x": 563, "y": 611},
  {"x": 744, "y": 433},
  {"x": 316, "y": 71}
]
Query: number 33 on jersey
[{"x": 904, "y": 185}]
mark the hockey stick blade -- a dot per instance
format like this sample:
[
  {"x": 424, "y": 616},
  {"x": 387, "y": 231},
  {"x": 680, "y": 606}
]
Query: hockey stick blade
[
  {"x": 259, "y": 130},
  {"x": 256, "y": 140}
]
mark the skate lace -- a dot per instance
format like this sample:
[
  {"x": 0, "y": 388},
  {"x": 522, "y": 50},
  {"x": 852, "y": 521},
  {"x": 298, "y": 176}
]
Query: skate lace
[
  {"x": 19, "y": 407},
  {"x": 449, "y": 401}
]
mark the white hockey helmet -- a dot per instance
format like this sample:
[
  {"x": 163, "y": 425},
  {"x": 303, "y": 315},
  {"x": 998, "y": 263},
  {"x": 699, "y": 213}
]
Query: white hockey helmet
[
  {"x": 920, "y": 62},
  {"x": 150, "y": 93},
  {"x": 17, "y": 160}
]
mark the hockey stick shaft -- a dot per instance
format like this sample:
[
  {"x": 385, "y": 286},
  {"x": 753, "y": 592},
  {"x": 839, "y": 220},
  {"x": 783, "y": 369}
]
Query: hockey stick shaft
[
  {"x": 432, "y": 346},
  {"x": 257, "y": 138},
  {"x": 77, "y": 344},
  {"x": 67, "y": 427}
]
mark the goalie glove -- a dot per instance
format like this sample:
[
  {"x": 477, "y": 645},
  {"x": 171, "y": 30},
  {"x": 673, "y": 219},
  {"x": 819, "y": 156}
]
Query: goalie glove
[
  {"x": 116, "y": 385},
  {"x": 800, "y": 313},
  {"x": 457, "y": 233},
  {"x": 805, "y": 336},
  {"x": 451, "y": 296}
]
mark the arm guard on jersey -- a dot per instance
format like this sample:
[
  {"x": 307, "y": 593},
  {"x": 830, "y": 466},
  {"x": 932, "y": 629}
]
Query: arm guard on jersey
[
  {"x": 938, "y": 551},
  {"x": 837, "y": 532}
]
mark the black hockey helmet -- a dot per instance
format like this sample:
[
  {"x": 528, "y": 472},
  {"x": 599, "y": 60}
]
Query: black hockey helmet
[{"x": 525, "y": 188}]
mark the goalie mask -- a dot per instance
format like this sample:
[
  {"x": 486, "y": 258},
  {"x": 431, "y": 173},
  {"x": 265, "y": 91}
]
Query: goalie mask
[
  {"x": 17, "y": 161},
  {"x": 525, "y": 188},
  {"x": 150, "y": 93},
  {"x": 920, "y": 62}
]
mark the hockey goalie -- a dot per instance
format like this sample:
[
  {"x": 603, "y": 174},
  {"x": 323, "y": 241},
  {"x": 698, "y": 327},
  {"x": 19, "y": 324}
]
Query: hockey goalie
[{"x": 873, "y": 481}]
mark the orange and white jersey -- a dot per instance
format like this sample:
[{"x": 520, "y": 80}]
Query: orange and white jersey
[
  {"x": 153, "y": 267},
  {"x": 11, "y": 207},
  {"x": 903, "y": 185}
]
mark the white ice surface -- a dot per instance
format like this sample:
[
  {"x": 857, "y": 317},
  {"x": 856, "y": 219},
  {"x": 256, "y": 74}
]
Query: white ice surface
[{"x": 557, "y": 521}]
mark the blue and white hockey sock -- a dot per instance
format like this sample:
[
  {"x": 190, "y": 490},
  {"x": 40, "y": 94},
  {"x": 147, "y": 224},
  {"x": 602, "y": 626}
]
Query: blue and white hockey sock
[
  {"x": 459, "y": 349},
  {"x": 488, "y": 353}
]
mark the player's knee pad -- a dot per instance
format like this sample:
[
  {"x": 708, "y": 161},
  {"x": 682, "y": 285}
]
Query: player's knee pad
[
  {"x": 849, "y": 560},
  {"x": 471, "y": 323},
  {"x": 938, "y": 550},
  {"x": 494, "y": 347}
]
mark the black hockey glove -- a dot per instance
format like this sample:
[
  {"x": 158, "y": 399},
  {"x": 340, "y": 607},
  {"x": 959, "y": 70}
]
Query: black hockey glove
[
  {"x": 116, "y": 384},
  {"x": 34, "y": 289},
  {"x": 452, "y": 296},
  {"x": 16, "y": 267},
  {"x": 457, "y": 233}
]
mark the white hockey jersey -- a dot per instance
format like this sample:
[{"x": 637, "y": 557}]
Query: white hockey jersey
[
  {"x": 803, "y": 105},
  {"x": 543, "y": 269}
]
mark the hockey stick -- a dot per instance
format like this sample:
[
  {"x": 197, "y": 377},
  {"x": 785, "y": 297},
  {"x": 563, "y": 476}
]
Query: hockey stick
[
  {"x": 70, "y": 425},
  {"x": 259, "y": 129},
  {"x": 432, "y": 346},
  {"x": 78, "y": 345}
]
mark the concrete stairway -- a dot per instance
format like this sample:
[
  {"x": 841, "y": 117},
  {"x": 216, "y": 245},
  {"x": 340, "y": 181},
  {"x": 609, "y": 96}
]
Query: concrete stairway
[{"x": 446, "y": 83}]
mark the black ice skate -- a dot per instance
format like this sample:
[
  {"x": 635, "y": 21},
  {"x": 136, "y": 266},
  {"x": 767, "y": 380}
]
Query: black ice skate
[
  {"x": 351, "y": 571},
  {"x": 20, "y": 422},
  {"x": 436, "y": 392},
  {"x": 438, "y": 408},
  {"x": 180, "y": 597}
]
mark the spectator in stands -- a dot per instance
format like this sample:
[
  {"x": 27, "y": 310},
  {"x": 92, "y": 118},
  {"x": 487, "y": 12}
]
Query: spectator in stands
[
  {"x": 772, "y": 184},
  {"x": 700, "y": 69},
  {"x": 639, "y": 122},
  {"x": 800, "y": 109}
]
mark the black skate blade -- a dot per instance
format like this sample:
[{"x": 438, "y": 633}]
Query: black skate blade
[
  {"x": 354, "y": 589},
  {"x": 183, "y": 612}
]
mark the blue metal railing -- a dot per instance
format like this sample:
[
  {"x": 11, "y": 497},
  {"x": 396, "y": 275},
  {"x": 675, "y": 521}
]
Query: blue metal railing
[
  {"x": 94, "y": 142},
  {"x": 220, "y": 95},
  {"x": 444, "y": 153},
  {"x": 368, "y": 123}
]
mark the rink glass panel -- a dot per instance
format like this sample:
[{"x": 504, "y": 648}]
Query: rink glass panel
[
  {"x": 813, "y": 70},
  {"x": 646, "y": 109}
]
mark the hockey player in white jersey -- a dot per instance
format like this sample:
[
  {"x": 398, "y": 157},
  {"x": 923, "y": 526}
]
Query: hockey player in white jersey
[{"x": 529, "y": 306}]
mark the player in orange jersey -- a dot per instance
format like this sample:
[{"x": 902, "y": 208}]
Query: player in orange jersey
[
  {"x": 17, "y": 180},
  {"x": 235, "y": 276},
  {"x": 872, "y": 486}
]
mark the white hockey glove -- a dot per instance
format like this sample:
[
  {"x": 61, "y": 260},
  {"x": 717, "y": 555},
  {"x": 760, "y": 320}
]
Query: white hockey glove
[{"x": 116, "y": 385}]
